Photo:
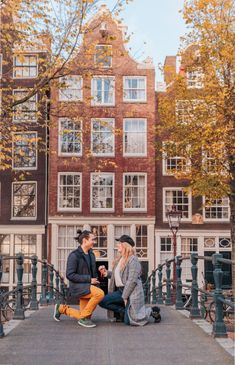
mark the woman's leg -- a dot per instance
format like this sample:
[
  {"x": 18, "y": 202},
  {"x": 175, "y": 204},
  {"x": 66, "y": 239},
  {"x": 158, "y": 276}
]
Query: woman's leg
[{"x": 114, "y": 302}]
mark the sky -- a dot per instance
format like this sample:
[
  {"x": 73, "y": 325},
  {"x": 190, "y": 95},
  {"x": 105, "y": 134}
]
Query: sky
[{"x": 157, "y": 27}]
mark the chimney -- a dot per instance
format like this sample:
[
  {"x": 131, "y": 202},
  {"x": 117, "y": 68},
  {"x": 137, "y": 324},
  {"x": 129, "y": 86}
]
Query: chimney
[{"x": 169, "y": 69}]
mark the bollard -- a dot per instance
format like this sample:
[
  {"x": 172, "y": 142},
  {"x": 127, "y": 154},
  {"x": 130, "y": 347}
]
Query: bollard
[
  {"x": 1, "y": 299},
  {"x": 57, "y": 280},
  {"x": 154, "y": 291},
  {"x": 195, "y": 311},
  {"x": 19, "y": 311},
  {"x": 43, "y": 299},
  {"x": 34, "y": 302},
  {"x": 168, "y": 283},
  {"x": 219, "y": 329},
  {"x": 160, "y": 298},
  {"x": 51, "y": 284},
  {"x": 179, "y": 302}
]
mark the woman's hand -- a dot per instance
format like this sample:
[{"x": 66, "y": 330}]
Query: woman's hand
[{"x": 125, "y": 302}]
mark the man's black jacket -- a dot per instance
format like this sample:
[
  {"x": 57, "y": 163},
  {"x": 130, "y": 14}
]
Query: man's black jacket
[{"x": 79, "y": 273}]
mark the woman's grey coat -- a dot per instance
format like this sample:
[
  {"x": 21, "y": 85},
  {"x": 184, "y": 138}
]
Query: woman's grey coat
[{"x": 133, "y": 292}]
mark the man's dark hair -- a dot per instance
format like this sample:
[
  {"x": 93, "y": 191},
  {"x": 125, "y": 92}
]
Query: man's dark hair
[{"x": 82, "y": 234}]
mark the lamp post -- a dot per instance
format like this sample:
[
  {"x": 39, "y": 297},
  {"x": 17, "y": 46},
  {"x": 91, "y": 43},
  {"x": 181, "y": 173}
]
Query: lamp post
[{"x": 174, "y": 218}]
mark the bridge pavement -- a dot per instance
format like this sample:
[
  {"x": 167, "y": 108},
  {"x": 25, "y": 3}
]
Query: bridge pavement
[{"x": 39, "y": 340}]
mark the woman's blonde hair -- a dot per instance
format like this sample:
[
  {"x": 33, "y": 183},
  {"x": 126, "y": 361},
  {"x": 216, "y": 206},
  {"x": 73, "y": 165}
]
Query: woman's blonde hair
[{"x": 128, "y": 251}]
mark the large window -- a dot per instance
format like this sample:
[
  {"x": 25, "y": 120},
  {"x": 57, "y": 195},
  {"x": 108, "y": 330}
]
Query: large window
[
  {"x": 70, "y": 88},
  {"x": 70, "y": 137},
  {"x": 194, "y": 78},
  {"x": 101, "y": 244},
  {"x": 135, "y": 192},
  {"x": 134, "y": 89},
  {"x": 69, "y": 191},
  {"x": 135, "y": 137},
  {"x": 27, "y": 111},
  {"x": 102, "y": 137},
  {"x": 25, "y": 151},
  {"x": 103, "y": 55},
  {"x": 25, "y": 66},
  {"x": 166, "y": 249},
  {"x": 173, "y": 161},
  {"x": 102, "y": 192},
  {"x": 142, "y": 240},
  {"x": 24, "y": 195},
  {"x": 27, "y": 245},
  {"x": 216, "y": 209},
  {"x": 103, "y": 91},
  {"x": 179, "y": 199}
]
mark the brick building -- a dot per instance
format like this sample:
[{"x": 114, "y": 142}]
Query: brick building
[
  {"x": 101, "y": 165},
  {"x": 204, "y": 228}
]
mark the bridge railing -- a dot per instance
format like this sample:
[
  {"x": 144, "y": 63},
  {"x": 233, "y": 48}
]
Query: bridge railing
[
  {"x": 51, "y": 288},
  {"x": 161, "y": 276}
]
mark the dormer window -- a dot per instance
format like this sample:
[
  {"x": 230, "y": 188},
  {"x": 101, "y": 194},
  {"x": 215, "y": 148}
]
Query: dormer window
[{"x": 103, "y": 56}]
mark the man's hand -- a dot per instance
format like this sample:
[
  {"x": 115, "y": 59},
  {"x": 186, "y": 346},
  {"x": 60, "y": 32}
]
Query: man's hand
[{"x": 94, "y": 281}]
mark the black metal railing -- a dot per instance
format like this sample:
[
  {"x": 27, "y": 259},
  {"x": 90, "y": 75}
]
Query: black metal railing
[
  {"x": 49, "y": 290},
  {"x": 154, "y": 292}
]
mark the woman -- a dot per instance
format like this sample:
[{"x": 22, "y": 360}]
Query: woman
[{"x": 126, "y": 295}]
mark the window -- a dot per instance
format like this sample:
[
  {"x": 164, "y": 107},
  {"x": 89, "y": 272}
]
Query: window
[
  {"x": 103, "y": 92},
  {"x": 5, "y": 251},
  {"x": 178, "y": 198},
  {"x": 188, "y": 245},
  {"x": 194, "y": 110},
  {"x": 135, "y": 191},
  {"x": 141, "y": 240},
  {"x": 69, "y": 191},
  {"x": 173, "y": 161},
  {"x": 27, "y": 111},
  {"x": 102, "y": 137},
  {"x": 25, "y": 151},
  {"x": 66, "y": 244},
  {"x": 166, "y": 244},
  {"x": 70, "y": 137},
  {"x": 134, "y": 89},
  {"x": 24, "y": 200},
  {"x": 101, "y": 244},
  {"x": 102, "y": 192},
  {"x": 70, "y": 88},
  {"x": 216, "y": 209},
  {"x": 214, "y": 159},
  {"x": 195, "y": 78},
  {"x": 103, "y": 55},
  {"x": 26, "y": 244},
  {"x": 225, "y": 242},
  {"x": 25, "y": 66},
  {"x": 135, "y": 137}
]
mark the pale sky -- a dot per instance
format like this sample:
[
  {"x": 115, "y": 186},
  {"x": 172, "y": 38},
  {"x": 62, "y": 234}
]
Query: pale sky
[{"x": 156, "y": 26}]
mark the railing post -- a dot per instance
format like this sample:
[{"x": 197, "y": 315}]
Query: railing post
[
  {"x": 195, "y": 311},
  {"x": 154, "y": 291},
  {"x": 1, "y": 299},
  {"x": 168, "y": 283},
  {"x": 51, "y": 285},
  {"x": 219, "y": 328},
  {"x": 19, "y": 311},
  {"x": 43, "y": 299},
  {"x": 179, "y": 302},
  {"x": 57, "y": 281},
  {"x": 34, "y": 302},
  {"x": 160, "y": 299}
]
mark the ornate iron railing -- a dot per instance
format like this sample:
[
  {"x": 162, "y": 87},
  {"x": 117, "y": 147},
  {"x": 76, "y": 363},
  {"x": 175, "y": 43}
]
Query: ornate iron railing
[
  {"x": 154, "y": 293},
  {"x": 52, "y": 289}
]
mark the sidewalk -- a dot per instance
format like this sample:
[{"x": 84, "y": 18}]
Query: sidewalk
[{"x": 39, "y": 340}]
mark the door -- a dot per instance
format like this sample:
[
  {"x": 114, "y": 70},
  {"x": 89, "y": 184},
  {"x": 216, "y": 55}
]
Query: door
[{"x": 227, "y": 271}]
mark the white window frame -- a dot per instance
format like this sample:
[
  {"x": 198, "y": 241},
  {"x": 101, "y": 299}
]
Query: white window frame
[
  {"x": 12, "y": 200},
  {"x": 139, "y": 154},
  {"x": 145, "y": 195},
  {"x": 111, "y": 57},
  {"x": 213, "y": 205},
  {"x": 23, "y": 119},
  {"x": 125, "y": 99},
  {"x": 165, "y": 157},
  {"x": 25, "y": 55},
  {"x": 60, "y": 153},
  {"x": 36, "y": 148},
  {"x": 103, "y": 77},
  {"x": 76, "y": 78},
  {"x": 197, "y": 80},
  {"x": 189, "y": 204},
  {"x": 58, "y": 192},
  {"x": 112, "y": 154},
  {"x": 113, "y": 195}
]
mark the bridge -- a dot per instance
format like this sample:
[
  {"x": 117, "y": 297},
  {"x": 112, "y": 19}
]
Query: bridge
[{"x": 32, "y": 337}]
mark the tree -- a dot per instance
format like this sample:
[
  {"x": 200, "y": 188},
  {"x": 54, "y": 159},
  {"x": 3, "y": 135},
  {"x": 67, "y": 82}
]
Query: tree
[
  {"x": 54, "y": 31},
  {"x": 197, "y": 111}
]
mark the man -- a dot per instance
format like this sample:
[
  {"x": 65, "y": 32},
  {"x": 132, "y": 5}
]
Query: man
[{"x": 82, "y": 275}]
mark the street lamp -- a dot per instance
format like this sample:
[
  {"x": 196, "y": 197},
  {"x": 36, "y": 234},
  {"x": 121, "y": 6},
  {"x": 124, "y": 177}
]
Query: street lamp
[{"x": 174, "y": 217}]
